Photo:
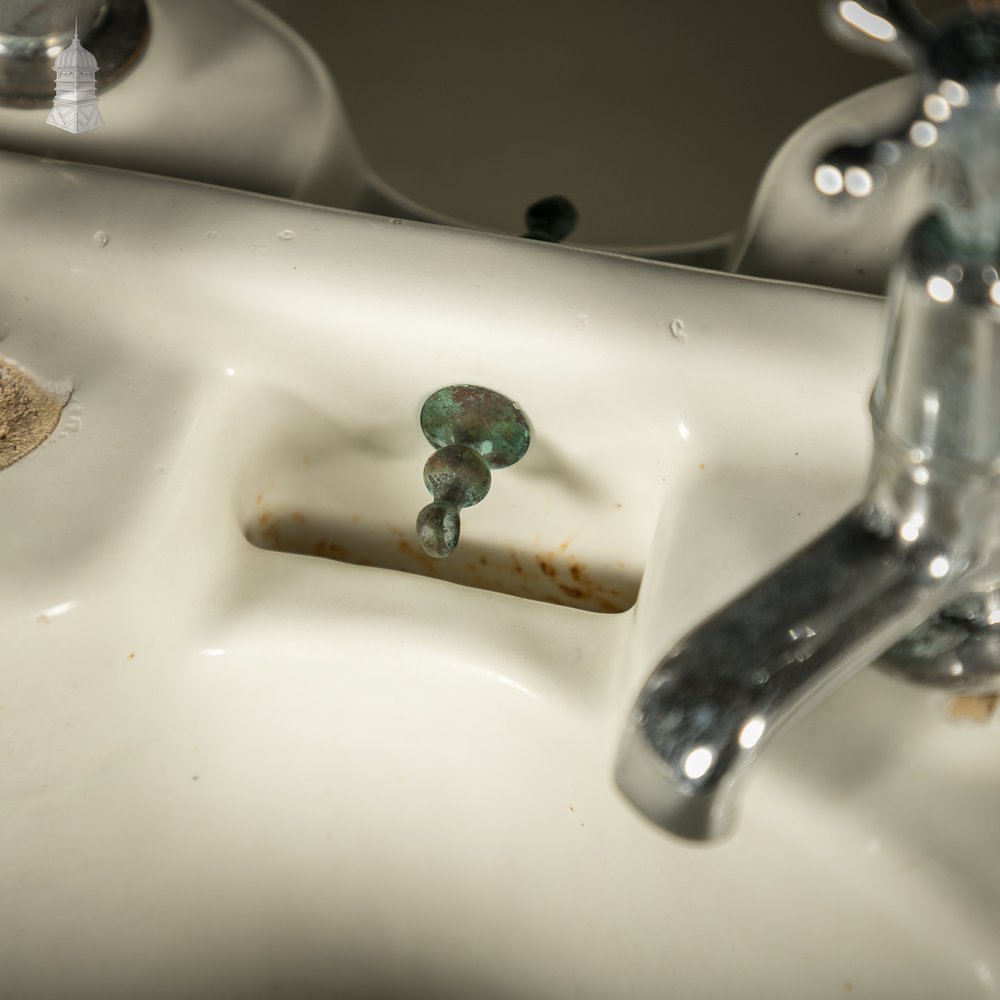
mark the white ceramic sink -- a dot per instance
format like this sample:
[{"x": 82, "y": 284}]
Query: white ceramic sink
[{"x": 235, "y": 771}]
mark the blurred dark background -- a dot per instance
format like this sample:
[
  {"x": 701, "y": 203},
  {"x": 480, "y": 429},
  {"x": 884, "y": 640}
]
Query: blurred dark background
[{"x": 656, "y": 117}]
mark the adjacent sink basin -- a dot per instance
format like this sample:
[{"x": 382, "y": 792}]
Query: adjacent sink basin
[
  {"x": 235, "y": 770},
  {"x": 223, "y": 93}
]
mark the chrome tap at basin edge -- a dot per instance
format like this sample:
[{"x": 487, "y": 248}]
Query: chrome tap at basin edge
[{"x": 912, "y": 570}]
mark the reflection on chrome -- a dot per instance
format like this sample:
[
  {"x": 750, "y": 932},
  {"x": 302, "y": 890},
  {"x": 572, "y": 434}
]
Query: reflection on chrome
[
  {"x": 938, "y": 567},
  {"x": 828, "y": 179},
  {"x": 698, "y": 762},
  {"x": 923, "y": 134},
  {"x": 936, "y": 108},
  {"x": 751, "y": 733},
  {"x": 954, "y": 93},
  {"x": 887, "y": 152},
  {"x": 866, "y": 22},
  {"x": 940, "y": 289},
  {"x": 858, "y": 182}
]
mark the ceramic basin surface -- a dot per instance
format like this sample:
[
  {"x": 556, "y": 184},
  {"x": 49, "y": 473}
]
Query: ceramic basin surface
[{"x": 238, "y": 762}]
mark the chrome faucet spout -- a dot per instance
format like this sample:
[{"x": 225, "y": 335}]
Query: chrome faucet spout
[{"x": 736, "y": 682}]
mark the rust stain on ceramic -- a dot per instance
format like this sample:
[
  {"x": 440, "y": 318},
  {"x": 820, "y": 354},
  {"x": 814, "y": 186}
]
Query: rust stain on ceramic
[
  {"x": 546, "y": 567},
  {"x": 417, "y": 553},
  {"x": 331, "y": 550},
  {"x": 272, "y": 536},
  {"x": 979, "y": 708},
  {"x": 554, "y": 576}
]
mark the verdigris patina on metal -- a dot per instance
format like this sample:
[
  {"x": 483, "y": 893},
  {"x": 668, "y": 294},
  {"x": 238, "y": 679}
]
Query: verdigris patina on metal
[{"x": 474, "y": 430}]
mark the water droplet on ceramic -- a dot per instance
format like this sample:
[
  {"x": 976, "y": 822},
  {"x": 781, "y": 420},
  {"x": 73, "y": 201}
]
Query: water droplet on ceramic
[
  {"x": 286, "y": 234},
  {"x": 101, "y": 238},
  {"x": 582, "y": 321},
  {"x": 678, "y": 330}
]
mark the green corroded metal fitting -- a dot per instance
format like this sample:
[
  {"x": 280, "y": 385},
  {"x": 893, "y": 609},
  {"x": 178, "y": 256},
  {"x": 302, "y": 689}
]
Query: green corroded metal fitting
[{"x": 474, "y": 430}]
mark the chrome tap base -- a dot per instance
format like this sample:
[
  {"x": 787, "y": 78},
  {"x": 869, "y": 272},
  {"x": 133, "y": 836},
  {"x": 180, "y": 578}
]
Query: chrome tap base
[
  {"x": 116, "y": 32},
  {"x": 955, "y": 650}
]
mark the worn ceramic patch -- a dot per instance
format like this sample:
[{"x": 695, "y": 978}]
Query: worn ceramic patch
[{"x": 29, "y": 412}]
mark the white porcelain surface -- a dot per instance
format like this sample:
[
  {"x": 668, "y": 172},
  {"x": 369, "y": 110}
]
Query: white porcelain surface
[{"x": 233, "y": 772}]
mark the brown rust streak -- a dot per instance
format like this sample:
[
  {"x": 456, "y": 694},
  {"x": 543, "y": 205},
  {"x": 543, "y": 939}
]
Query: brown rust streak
[
  {"x": 555, "y": 576},
  {"x": 581, "y": 586},
  {"x": 331, "y": 550},
  {"x": 978, "y": 708},
  {"x": 545, "y": 566},
  {"x": 273, "y": 536},
  {"x": 407, "y": 548}
]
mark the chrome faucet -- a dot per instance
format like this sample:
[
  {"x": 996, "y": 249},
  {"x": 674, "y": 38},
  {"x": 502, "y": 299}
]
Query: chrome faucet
[
  {"x": 33, "y": 33},
  {"x": 912, "y": 573}
]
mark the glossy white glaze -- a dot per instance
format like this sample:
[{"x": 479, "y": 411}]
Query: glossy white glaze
[{"x": 237, "y": 772}]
